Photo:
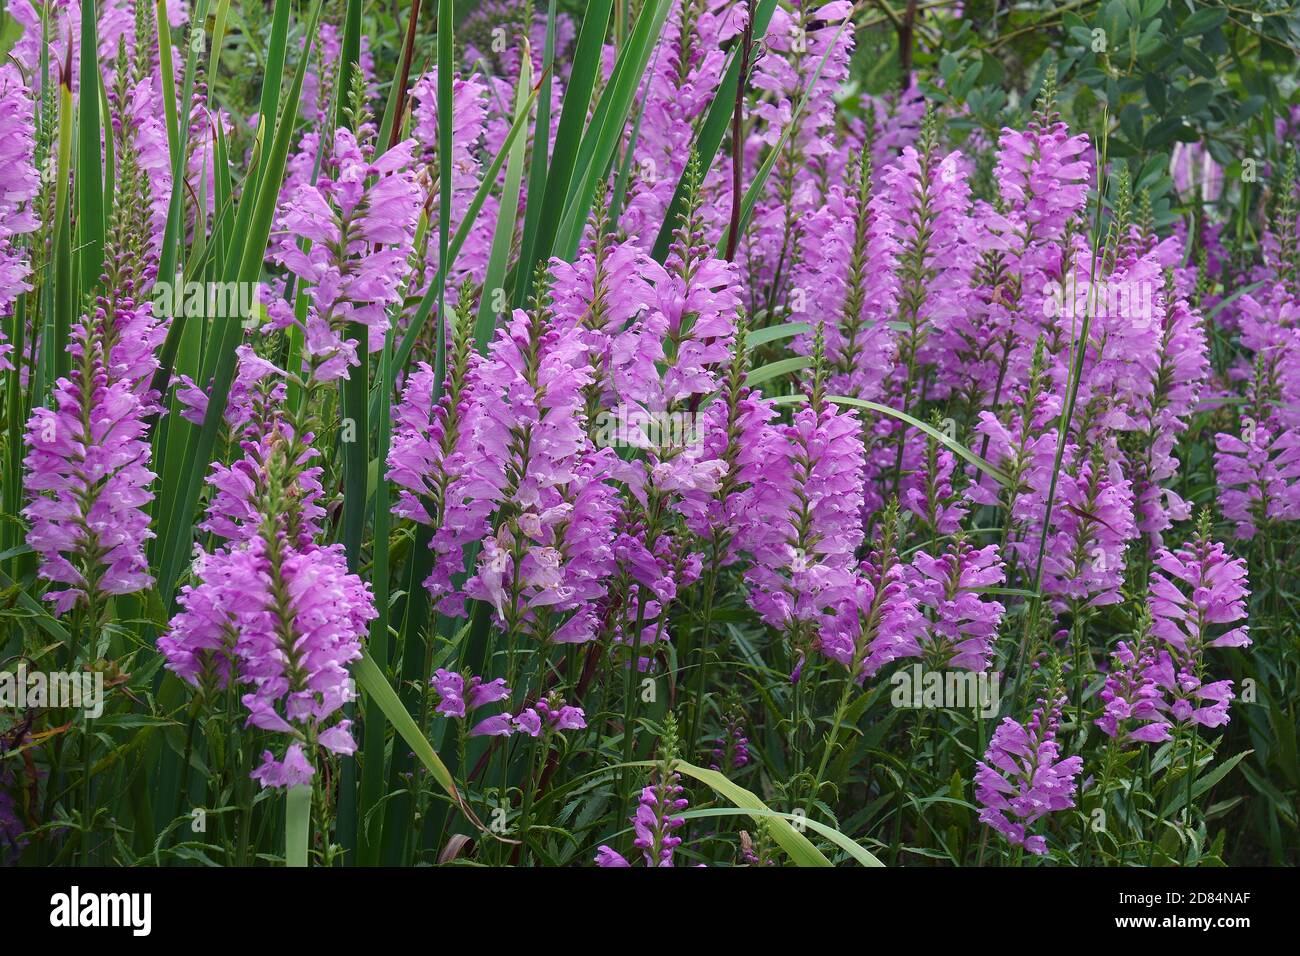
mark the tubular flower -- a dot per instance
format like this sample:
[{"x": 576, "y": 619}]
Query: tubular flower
[
  {"x": 21, "y": 185},
  {"x": 1259, "y": 476},
  {"x": 698, "y": 299},
  {"x": 1192, "y": 592},
  {"x": 361, "y": 237},
  {"x": 804, "y": 518},
  {"x": 806, "y": 59},
  {"x": 459, "y": 698},
  {"x": 88, "y": 475},
  {"x": 607, "y": 294},
  {"x": 927, "y": 199},
  {"x": 273, "y": 608},
  {"x": 471, "y": 98},
  {"x": 1084, "y": 557},
  {"x": 685, "y": 72},
  {"x": 849, "y": 288},
  {"x": 433, "y": 449},
  {"x": 654, "y": 824},
  {"x": 883, "y": 623},
  {"x": 961, "y": 624},
  {"x": 1132, "y": 698},
  {"x": 1042, "y": 174},
  {"x": 533, "y": 461},
  {"x": 1180, "y": 376},
  {"x": 736, "y": 432},
  {"x": 931, "y": 497},
  {"x": 731, "y": 751},
  {"x": 1022, "y": 777},
  {"x": 548, "y": 716}
]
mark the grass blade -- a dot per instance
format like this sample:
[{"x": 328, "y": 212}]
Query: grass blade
[
  {"x": 539, "y": 171},
  {"x": 797, "y": 846},
  {"x": 504, "y": 236},
  {"x": 606, "y": 129},
  {"x": 90, "y": 171},
  {"x": 247, "y": 267},
  {"x": 297, "y": 825},
  {"x": 712, "y": 130},
  {"x": 573, "y": 114}
]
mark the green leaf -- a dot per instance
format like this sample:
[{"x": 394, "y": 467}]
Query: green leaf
[
  {"x": 356, "y": 385},
  {"x": 425, "y": 307},
  {"x": 605, "y": 132},
  {"x": 372, "y": 681},
  {"x": 297, "y": 825},
  {"x": 245, "y": 267},
  {"x": 797, "y": 846},
  {"x": 760, "y": 179},
  {"x": 775, "y": 333},
  {"x": 90, "y": 172},
  {"x": 712, "y": 130},
  {"x": 950, "y": 443},
  {"x": 778, "y": 368},
  {"x": 446, "y": 129},
  {"x": 852, "y": 848},
  {"x": 1206, "y": 781},
  {"x": 539, "y": 167},
  {"x": 1203, "y": 21},
  {"x": 568, "y": 137},
  {"x": 43, "y": 619},
  {"x": 504, "y": 235}
]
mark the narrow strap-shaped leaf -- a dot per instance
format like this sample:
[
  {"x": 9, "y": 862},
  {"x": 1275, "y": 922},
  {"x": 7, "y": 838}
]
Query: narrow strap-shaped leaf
[
  {"x": 247, "y": 268},
  {"x": 390, "y": 126},
  {"x": 218, "y": 38},
  {"x": 539, "y": 168},
  {"x": 446, "y": 127},
  {"x": 503, "y": 237},
  {"x": 356, "y": 434},
  {"x": 859, "y": 853},
  {"x": 778, "y": 368},
  {"x": 43, "y": 619},
  {"x": 573, "y": 114},
  {"x": 297, "y": 825},
  {"x": 797, "y": 846},
  {"x": 371, "y": 822},
  {"x": 596, "y": 151},
  {"x": 58, "y": 359},
  {"x": 416, "y": 325},
  {"x": 90, "y": 172},
  {"x": 951, "y": 443},
  {"x": 712, "y": 130},
  {"x": 775, "y": 333},
  {"x": 760, "y": 179},
  {"x": 273, "y": 76},
  {"x": 372, "y": 681}
]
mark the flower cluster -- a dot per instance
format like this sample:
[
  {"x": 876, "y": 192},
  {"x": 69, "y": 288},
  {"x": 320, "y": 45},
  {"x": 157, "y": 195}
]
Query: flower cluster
[{"x": 1023, "y": 777}]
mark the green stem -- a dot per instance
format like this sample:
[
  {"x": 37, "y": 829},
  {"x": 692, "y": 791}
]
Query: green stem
[
  {"x": 831, "y": 738},
  {"x": 297, "y": 825}
]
